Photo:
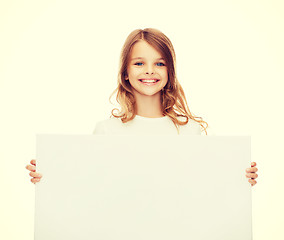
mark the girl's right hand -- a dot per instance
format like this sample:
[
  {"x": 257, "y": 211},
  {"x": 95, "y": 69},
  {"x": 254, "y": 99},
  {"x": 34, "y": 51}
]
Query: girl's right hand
[{"x": 36, "y": 176}]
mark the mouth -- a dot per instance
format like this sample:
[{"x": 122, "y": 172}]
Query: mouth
[{"x": 149, "y": 81}]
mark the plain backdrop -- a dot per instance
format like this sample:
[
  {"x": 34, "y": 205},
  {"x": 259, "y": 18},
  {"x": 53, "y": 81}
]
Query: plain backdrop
[{"x": 59, "y": 65}]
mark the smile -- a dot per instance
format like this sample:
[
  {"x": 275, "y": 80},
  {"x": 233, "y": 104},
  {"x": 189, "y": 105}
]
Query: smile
[{"x": 148, "y": 81}]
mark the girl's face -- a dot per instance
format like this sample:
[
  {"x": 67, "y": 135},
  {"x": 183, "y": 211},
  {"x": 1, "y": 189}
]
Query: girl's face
[{"x": 145, "y": 62}]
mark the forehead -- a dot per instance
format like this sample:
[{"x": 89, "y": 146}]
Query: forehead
[{"x": 144, "y": 50}]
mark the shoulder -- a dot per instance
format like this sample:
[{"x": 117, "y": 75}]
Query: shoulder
[
  {"x": 103, "y": 126},
  {"x": 192, "y": 127}
]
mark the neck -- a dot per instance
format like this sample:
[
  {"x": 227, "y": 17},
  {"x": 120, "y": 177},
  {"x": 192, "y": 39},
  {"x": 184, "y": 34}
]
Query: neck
[{"x": 149, "y": 106}]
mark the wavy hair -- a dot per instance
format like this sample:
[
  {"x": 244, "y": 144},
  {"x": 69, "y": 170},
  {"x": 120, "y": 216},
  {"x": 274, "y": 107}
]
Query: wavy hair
[{"x": 173, "y": 99}]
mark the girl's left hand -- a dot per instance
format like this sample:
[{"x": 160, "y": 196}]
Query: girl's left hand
[{"x": 251, "y": 173}]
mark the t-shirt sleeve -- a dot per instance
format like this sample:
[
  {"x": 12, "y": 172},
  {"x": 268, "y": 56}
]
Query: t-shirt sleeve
[
  {"x": 198, "y": 129},
  {"x": 99, "y": 128},
  {"x": 195, "y": 128}
]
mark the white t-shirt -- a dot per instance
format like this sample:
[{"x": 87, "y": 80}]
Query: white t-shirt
[{"x": 146, "y": 126}]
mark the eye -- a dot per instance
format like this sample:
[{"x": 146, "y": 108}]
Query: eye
[
  {"x": 138, "y": 63},
  {"x": 161, "y": 63}
]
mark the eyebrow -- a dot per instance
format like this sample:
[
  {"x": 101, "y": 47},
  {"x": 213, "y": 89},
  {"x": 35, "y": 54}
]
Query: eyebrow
[{"x": 143, "y": 58}]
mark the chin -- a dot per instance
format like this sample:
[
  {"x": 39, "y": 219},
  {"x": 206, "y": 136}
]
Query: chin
[{"x": 150, "y": 93}]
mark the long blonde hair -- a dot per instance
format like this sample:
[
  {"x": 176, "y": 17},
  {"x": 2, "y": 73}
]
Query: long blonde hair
[{"x": 173, "y": 100}]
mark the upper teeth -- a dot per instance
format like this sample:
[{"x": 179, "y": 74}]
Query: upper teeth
[{"x": 148, "y": 80}]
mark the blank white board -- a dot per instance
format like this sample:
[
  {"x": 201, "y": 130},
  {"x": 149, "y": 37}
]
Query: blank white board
[{"x": 123, "y": 187}]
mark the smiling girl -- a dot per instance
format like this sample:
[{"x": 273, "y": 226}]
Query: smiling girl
[{"x": 152, "y": 100}]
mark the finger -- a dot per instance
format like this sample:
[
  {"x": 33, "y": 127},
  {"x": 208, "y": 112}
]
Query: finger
[
  {"x": 35, "y": 180},
  {"x": 35, "y": 174},
  {"x": 253, "y": 169},
  {"x": 252, "y": 182},
  {"x": 251, "y": 175},
  {"x": 253, "y": 164},
  {"x": 33, "y": 162},
  {"x": 31, "y": 168}
]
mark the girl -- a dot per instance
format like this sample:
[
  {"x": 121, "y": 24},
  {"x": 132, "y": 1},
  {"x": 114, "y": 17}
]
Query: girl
[{"x": 152, "y": 100}]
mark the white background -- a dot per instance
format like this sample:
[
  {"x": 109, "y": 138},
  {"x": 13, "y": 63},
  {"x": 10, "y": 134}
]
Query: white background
[{"x": 59, "y": 65}]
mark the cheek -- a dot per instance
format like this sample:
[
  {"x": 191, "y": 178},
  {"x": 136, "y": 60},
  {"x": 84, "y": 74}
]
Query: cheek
[
  {"x": 164, "y": 73},
  {"x": 134, "y": 72}
]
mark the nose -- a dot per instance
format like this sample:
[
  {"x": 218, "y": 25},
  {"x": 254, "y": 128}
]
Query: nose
[{"x": 149, "y": 70}]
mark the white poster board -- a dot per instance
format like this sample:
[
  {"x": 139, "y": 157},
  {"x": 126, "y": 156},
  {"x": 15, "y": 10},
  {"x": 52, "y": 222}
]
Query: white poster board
[{"x": 143, "y": 187}]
